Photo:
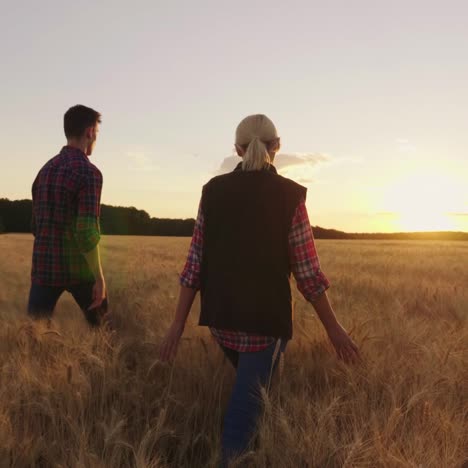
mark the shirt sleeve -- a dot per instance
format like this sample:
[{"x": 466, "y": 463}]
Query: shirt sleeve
[
  {"x": 304, "y": 260},
  {"x": 87, "y": 230},
  {"x": 190, "y": 276}
]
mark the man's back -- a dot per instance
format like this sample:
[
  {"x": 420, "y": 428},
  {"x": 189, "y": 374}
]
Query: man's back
[
  {"x": 65, "y": 221},
  {"x": 66, "y": 208}
]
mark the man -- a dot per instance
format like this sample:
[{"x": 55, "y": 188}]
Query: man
[{"x": 65, "y": 223}]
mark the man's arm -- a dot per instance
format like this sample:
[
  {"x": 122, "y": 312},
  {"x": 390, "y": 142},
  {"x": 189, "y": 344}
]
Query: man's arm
[
  {"x": 87, "y": 231},
  {"x": 93, "y": 259}
]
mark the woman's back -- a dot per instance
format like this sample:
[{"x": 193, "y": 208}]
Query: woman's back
[{"x": 245, "y": 267}]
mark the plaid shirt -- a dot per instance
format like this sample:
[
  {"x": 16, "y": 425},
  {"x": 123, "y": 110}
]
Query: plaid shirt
[
  {"x": 66, "y": 207},
  {"x": 304, "y": 264}
]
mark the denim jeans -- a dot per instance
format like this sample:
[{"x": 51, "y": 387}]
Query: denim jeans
[
  {"x": 42, "y": 301},
  {"x": 253, "y": 370}
]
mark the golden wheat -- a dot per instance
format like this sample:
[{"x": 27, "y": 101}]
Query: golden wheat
[{"x": 71, "y": 397}]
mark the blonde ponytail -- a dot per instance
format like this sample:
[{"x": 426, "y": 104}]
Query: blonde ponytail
[
  {"x": 253, "y": 134},
  {"x": 256, "y": 157}
]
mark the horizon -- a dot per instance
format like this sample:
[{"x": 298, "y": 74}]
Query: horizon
[
  {"x": 369, "y": 102},
  {"x": 312, "y": 225}
]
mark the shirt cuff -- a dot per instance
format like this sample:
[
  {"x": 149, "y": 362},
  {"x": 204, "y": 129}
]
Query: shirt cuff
[
  {"x": 87, "y": 240},
  {"x": 189, "y": 282},
  {"x": 313, "y": 288}
]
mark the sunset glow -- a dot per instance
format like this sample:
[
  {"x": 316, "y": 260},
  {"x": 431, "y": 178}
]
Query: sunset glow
[
  {"x": 423, "y": 201},
  {"x": 370, "y": 102}
]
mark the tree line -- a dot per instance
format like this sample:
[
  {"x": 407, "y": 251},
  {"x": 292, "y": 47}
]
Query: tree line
[{"x": 15, "y": 216}]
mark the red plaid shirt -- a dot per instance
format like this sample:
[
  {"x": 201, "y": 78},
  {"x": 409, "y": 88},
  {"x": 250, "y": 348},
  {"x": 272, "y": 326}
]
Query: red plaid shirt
[
  {"x": 66, "y": 207},
  {"x": 304, "y": 263}
]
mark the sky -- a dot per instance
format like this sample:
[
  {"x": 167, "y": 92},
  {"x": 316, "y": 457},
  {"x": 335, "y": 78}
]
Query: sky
[{"x": 369, "y": 99}]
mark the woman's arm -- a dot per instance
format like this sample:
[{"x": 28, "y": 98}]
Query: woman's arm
[
  {"x": 171, "y": 341},
  {"x": 189, "y": 285},
  {"x": 344, "y": 346},
  {"x": 313, "y": 284}
]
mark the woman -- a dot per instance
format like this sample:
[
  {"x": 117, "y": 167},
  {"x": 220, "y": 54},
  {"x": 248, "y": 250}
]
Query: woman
[{"x": 252, "y": 230}]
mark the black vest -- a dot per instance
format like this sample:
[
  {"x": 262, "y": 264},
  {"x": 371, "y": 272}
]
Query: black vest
[{"x": 245, "y": 264}]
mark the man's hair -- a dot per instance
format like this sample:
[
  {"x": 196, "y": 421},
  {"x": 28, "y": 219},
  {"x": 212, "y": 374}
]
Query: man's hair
[{"x": 78, "y": 118}]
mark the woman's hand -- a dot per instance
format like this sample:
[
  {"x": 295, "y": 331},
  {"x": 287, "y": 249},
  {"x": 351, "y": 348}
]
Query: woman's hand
[
  {"x": 170, "y": 342},
  {"x": 345, "y": 347},
  {"x": 342, "y": 342}
]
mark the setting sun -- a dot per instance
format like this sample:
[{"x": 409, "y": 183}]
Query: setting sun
[{"x": 423, "y": 201}]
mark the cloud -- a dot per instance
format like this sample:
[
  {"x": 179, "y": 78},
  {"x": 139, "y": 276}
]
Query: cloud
[
  {"x": 228, "y": 164},
  {"x": 285, "y": 163},
  {"x": 300, "y": 167},
  {"x": 140, "y": 161},
  {"x": 304, "y": 180},
  {"x": 288, "y": 160}
]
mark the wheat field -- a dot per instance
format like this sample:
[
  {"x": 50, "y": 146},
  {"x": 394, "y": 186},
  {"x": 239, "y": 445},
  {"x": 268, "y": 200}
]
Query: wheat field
[{"x": 71, "y": 397}]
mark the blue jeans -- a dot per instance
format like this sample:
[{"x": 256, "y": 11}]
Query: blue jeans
[
  {"x": 42, "y": 301},
  {"x": 254, "y": 370}
]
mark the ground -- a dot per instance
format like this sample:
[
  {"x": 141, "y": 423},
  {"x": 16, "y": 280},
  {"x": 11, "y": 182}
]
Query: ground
[{"x": 71, "y": 397}]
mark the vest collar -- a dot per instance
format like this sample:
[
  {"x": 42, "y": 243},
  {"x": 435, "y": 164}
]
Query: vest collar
[{"x": 270, "y": 168}]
